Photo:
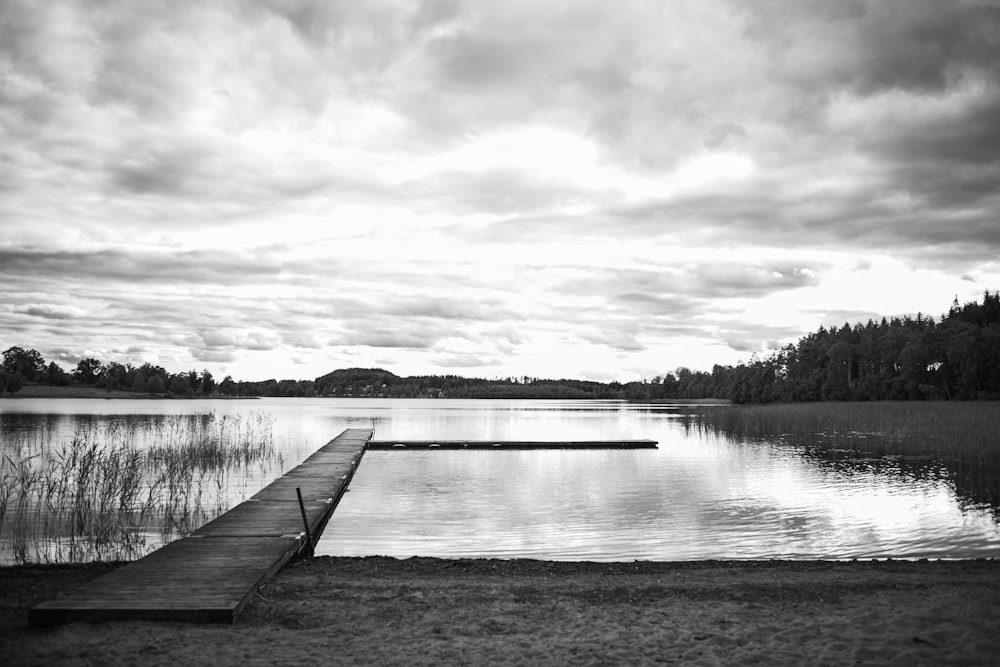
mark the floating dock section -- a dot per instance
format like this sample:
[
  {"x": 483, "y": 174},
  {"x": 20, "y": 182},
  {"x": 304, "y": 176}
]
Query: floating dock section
[
  {"x": 210, "y": 576},
  {"x": 512, "y": 444}
]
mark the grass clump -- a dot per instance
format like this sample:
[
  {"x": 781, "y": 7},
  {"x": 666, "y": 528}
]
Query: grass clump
[{"x": 114, "y": 487}]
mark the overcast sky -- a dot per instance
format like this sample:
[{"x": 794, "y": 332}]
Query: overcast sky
[{"x": 577, "y": 189}]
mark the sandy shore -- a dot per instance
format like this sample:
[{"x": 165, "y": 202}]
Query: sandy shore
[{"x": 429, "y": 611}]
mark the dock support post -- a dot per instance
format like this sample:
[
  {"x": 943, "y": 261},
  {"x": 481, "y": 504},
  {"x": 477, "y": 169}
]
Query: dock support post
[{"x": 305, "y": 521}]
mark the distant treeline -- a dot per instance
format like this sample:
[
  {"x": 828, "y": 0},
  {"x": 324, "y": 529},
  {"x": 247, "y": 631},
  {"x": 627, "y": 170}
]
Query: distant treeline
[
  {"x": 908, "y": 358},
  {"x": 899, "y": 359},
  {"x": 22, "y": 366}
]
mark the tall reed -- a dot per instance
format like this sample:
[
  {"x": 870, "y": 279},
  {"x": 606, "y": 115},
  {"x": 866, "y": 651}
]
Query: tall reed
[{"x": 103, "y": 493}]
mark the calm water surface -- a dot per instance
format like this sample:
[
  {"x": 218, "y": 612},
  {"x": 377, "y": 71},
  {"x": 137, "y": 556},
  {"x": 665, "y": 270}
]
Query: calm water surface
[{"x": 695, "y": 497}]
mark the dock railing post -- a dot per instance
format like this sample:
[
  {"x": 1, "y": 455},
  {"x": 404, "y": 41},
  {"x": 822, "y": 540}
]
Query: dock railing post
[{"x": 305, "y": 521}]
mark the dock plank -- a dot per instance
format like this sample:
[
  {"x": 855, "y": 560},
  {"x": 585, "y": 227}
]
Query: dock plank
[
  {"x": 258, "y": 519},
  {"x": 313, "y": 488},
  {"x": 193, "y": 579},
  {"x": 209, "y": 576}
]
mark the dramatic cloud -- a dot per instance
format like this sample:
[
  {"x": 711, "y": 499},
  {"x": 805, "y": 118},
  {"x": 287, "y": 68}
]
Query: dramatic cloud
[
  {"x": 581, "y": 189},
  {"x": 50, "y": 311}
]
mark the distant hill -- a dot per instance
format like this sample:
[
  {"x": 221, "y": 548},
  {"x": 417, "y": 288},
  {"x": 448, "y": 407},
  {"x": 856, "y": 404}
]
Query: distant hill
[{"x": 343, "y": 380}]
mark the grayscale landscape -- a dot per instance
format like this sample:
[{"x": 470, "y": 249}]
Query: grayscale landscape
[{"x": 455, "y": 332}]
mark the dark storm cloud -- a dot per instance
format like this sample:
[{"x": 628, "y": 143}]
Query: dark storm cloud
[
  {"x": 385, "y": 26},
  {"x": 15, "y": 327},
  {"x": 918, "y": 54},
  {"x": 741, "y": 343},
  {"x": 681, "y": 301},
  {"x": 426, "y": 323},
  {"x": 504, "y": 65},
  {"x": 867, "y": 48},
  {"x": 965, "y": 135},
  {"x": 217, "y": 173},
  {"x": 725, "y": 135},
  {"x": 925, "y": 46},
  {"x": 189, "y": 266},
  {"x": 952, "y": 214},
  {"x": 468, "y": 60},
  {"x": 248, "y": 340},
  {"x": 431, "y": 276},
  {"x": 445, "y": 308},
  {"x": 928, "y": 78},
  {"x": 171, "y": 170},
  {"x": 64, "y": 355},
  {"x": 408, "y": 336},
  {"x": 391, "y": 305},
  {"x": 301, "y": 339},
  {"x": 685, "y": 286},
  {"x": 622, "y": 336},
  {"x": 877, "y": 45},
  {"x": 946, "y": 209},
  {"x": 741, "y": 280},
  {"x": 49, "y": 311}
]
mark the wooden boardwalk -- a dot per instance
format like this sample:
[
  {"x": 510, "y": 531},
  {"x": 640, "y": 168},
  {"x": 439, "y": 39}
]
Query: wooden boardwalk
[
  {"x": 210, "y": 576},
  {"x": 512, "y": 444}
]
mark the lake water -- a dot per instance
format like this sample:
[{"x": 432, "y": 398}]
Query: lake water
[{"x": 695, "y": 497}]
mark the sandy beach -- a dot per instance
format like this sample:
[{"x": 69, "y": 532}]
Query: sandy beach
[{"x": 431, "y": 611}]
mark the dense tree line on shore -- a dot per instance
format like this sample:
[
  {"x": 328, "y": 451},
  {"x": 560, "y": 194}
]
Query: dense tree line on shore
[
  {"x": 22, "y": 366},
  {"x": 902, "y": 358}
]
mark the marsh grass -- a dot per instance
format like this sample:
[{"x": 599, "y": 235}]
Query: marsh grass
[
  {"x": 115, "y": 485},
  {"x": 961, "y": 438}
]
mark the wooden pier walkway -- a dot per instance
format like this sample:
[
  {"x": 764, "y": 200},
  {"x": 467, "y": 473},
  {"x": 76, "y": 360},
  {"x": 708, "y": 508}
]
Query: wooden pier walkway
[
  {"x": 512, "y": 444},
  {"x": 210, "y": 576}
]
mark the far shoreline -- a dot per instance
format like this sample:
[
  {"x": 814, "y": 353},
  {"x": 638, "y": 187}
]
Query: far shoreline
[
  {"x": 97, "y": 393},
  {"x": 686, "y": 401},
  {"x": 55, "y": 392}
]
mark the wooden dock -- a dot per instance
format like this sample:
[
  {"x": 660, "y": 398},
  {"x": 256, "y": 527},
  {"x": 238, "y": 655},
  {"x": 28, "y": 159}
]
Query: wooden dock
[
  {"x": 512, "y": 444},
  {"x": 210, "y": 576}
]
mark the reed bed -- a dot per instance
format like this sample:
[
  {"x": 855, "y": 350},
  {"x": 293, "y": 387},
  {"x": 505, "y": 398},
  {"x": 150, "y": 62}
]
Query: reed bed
[
  {"x": 117, "y": 489},
  {"x": 961, "y": 437}
]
